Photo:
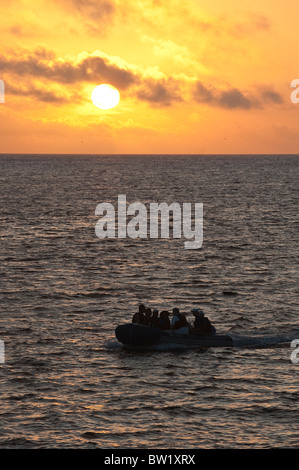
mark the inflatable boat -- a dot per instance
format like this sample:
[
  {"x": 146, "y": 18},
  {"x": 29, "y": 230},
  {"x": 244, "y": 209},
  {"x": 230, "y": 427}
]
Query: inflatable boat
[{"x": 139, "y": 336}]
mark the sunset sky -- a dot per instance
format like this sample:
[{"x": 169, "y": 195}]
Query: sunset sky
[{"x": 194, "y": 76}]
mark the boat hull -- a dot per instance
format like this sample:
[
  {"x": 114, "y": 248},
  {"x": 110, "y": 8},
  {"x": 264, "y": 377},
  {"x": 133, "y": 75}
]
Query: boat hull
[{"x": 134, "y": 335}]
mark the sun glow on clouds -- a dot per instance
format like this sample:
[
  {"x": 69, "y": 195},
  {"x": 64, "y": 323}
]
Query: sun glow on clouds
[{"x": 192, "y": 75}]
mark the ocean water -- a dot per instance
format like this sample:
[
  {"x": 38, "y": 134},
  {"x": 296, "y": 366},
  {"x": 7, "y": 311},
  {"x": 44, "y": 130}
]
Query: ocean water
[{"x": 67, "y": 383}]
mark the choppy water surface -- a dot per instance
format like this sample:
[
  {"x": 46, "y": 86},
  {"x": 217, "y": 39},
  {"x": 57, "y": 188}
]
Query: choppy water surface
[{"x": 66, "y": 382}]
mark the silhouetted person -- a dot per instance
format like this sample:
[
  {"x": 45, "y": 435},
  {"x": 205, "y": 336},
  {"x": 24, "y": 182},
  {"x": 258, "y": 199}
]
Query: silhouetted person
[
  {"x": 202, "y": 325},
  {"x": 164, "y": 323},
  {"x": 148, "y": 317},
  {"x": 155, "y": 319},
  {"x": 182, "y": 322},
  {"x": 175, "y": 317},
  {"x": 181, "y": 325},
  {"x": 139, "y": 316}
]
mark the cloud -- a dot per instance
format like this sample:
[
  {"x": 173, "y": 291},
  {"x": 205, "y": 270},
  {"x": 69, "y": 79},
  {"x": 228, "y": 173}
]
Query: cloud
[
  {"x": 94, "y": 16},
  {"x": 271, "y": 96},
  {"x": 46, "y": 77},
  {"x": 40, "y": 94},
  {"x": 163, "y": 93},
  {"x": 254, "y": 23},
  {"x": 43, "y": 64},
  {"x": 233, "y": 98},
  {"x": 179, "y": 55},
  {"x": 95, "y": 9},
  {"x": 24, "y": 30},
  {"x": 202, "y": 94}
]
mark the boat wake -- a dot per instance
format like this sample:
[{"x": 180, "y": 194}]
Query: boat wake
[
  {"x": 264, "y": 341},
  {"x": 256, "y": 341}
]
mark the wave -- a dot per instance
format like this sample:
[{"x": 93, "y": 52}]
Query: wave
[{"x": 112, "y": 344}]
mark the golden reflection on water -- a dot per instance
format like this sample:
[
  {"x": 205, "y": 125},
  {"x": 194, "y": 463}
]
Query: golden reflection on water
[{"x": 67, "y": 382}]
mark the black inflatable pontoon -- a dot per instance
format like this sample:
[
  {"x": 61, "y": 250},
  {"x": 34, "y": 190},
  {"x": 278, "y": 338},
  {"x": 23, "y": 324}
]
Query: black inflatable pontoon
[{"x": 132, "y": 334}]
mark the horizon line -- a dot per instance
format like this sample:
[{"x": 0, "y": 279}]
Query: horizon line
[{"x": 154, "y": 154}]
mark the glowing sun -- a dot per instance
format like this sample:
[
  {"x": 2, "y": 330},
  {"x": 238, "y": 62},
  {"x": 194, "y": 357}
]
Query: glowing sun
[{"x": 105, "y": 96}]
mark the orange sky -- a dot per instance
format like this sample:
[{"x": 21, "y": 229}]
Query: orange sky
[{"x": 194, "y": 76}]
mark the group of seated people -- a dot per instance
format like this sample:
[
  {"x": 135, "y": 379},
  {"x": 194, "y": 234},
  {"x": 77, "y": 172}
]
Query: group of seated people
[{"x": 148, "y": 317}]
